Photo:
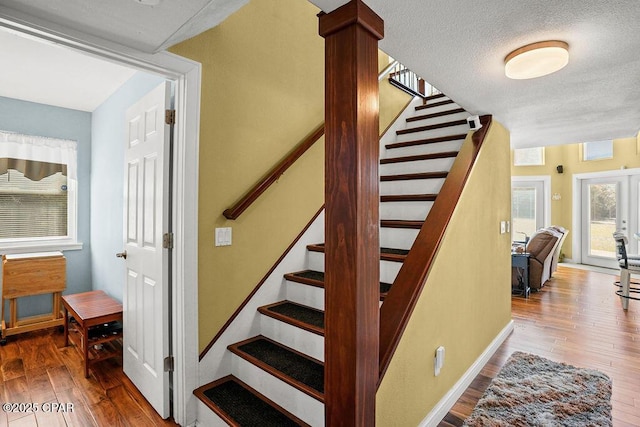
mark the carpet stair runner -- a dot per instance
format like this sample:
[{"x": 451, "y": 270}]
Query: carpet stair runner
[{"x": 412, "y": 171}]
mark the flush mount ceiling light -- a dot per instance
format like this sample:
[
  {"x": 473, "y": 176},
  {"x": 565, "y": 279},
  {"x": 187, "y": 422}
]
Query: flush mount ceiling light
[{"x": 536, "y": 60}]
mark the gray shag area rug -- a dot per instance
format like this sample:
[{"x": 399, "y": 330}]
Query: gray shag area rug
[{"x": 533, "y": 391}]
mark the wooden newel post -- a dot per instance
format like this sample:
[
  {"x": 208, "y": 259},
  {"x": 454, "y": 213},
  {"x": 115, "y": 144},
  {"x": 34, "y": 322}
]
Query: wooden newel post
[{"x": 352, "y": 252}]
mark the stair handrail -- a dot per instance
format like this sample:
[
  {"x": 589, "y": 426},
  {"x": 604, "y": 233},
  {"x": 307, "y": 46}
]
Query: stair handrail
[
  {"x": 277, "y": 171},
  {"x": 273, "y": 175},
  {"x": 407, "y": 287},
  {"x": 404, "y": 79}
]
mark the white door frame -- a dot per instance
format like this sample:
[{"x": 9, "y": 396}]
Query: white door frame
[
  {"x": 576, "y": 242},
  {"x": 546, "y": 193},
  {"x": 187, "y": 76}
]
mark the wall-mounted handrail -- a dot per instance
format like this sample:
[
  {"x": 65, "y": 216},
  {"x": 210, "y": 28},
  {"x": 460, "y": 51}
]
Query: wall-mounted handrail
[
  {"x": 272, "y": 176},
  {"x": 405, "y": 291}
]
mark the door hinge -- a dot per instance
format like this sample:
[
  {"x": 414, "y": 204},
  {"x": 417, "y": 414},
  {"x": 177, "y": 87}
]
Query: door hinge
[
  {"x": 167, "y": 240},
  {"x": 168, "y": 364},
  {"x": 170, "y": 117}
]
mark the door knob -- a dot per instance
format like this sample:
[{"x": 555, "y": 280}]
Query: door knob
[{"x": 122, "y": 254}]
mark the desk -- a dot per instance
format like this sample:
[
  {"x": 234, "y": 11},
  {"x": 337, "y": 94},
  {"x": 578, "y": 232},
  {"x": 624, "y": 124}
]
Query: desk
[
  {"x": 520, "y": 261},
  {"x": 90, "y": 310}
]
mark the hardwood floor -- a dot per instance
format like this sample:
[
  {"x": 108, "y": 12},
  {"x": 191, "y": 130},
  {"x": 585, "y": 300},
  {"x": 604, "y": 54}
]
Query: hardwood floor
[
  {"x": 576, "y": 319},
  {"x": 36, "y": 368}
]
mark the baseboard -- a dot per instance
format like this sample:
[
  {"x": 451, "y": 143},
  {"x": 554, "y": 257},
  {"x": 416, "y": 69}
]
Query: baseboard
[{"x": 445, "y": 404}]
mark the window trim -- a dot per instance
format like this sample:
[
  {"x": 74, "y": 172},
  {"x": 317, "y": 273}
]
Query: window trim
[
  {"x": 546, "y": 193},
  {"x": 583, "y": 151},
  {"x": 542, "y": 157}
]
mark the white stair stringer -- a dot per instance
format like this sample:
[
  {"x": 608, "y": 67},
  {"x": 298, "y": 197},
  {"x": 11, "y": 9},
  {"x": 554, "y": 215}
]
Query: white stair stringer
[{"x": 218, "y": 361}]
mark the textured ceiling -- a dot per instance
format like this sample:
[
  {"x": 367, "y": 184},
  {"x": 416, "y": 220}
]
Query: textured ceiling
[
  {"x": 461, "y": 51},
  {"x": 129, "y": 23},
  {"x": 459, "y": 47}
]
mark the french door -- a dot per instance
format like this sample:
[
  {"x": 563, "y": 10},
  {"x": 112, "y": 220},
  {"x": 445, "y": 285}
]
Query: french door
[{"x": 608, "y": 205}]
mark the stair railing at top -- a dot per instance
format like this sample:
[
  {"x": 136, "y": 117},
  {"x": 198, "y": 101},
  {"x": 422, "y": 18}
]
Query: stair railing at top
[
  {"x": 405, "y": 79},
  {"x": 405, "y": 291},
  {"x": 274, "y": 174}
]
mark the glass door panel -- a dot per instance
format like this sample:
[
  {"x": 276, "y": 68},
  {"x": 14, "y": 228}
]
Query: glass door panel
[
  {"x": 603, "y": 219},
  {"x": 527, "y": 208},
  {"x": 605, "y": 205}
]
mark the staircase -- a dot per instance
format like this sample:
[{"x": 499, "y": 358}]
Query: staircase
[{"x": 277, "y": 374}]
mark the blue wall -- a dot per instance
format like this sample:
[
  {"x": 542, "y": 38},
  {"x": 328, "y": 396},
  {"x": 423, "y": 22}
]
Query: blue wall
[
  {"x": 107, "y": 182},
  {"x": 55, "y": 122}
]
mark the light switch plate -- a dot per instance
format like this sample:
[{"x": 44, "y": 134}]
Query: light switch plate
[{"x": 223, "y": 236}]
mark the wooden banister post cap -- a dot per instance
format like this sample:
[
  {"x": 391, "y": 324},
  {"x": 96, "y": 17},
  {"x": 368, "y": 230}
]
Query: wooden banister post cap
[{"x": 353, "y": 12}]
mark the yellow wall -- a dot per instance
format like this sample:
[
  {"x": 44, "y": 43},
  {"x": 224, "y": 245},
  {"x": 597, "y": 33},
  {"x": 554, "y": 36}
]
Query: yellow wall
[
  {"x": 466, "y": 301},
  {"x": 626, "y": 154},
  {"x": 262, "y": 93}
]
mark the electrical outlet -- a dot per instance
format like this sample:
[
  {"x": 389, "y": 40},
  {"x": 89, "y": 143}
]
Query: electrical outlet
[
  {"x": 223, "y": 236},
  {"x": 503, "y": 227}
]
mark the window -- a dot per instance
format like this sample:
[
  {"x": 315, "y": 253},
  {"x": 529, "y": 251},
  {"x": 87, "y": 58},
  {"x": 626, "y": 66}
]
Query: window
[
  {"x": 37, "y": 192},
  {"x": 530, "y": 208},
  {"x": 528, "y": 156},
  {"x": 597, "y": 150}
]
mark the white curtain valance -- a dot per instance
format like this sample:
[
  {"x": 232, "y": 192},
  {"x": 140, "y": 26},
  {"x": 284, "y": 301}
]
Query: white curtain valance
[{"x": 40, "y": 149}]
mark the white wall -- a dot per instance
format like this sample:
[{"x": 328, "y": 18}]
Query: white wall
[{"x": 107, "y": 181}]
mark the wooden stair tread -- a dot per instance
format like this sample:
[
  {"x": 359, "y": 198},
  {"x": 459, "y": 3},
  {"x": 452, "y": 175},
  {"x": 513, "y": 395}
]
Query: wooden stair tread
[
  {"x": 431, "y": 127},
  {"x": 401, "y": 223},
  {"x": 418, "y": 175},
  {"x": 409, "y": 198},
  {"x": 238, "y": 404},
  {"x": 435, "y": 104},
  {"x": 301, "y": 316},
  {"x": 316, "y": 278},
  {"x": 386, "y": 254},
  {"x": 434, "y": 115},
  {"x": 419, "y": 157},
  {"x": 436, "y": 96},
  {"x": 426, "y": 141},
  {"x": 296, "y": 369}
]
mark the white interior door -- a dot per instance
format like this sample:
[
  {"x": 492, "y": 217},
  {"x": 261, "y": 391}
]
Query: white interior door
[
  {"x": 146, "y": 305},
  {"x": 605, "y": 209}
]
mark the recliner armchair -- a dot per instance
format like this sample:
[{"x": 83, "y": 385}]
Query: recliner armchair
[
  {"x": 558, "y": 249},
  {"x": 541, "y": 247}
]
